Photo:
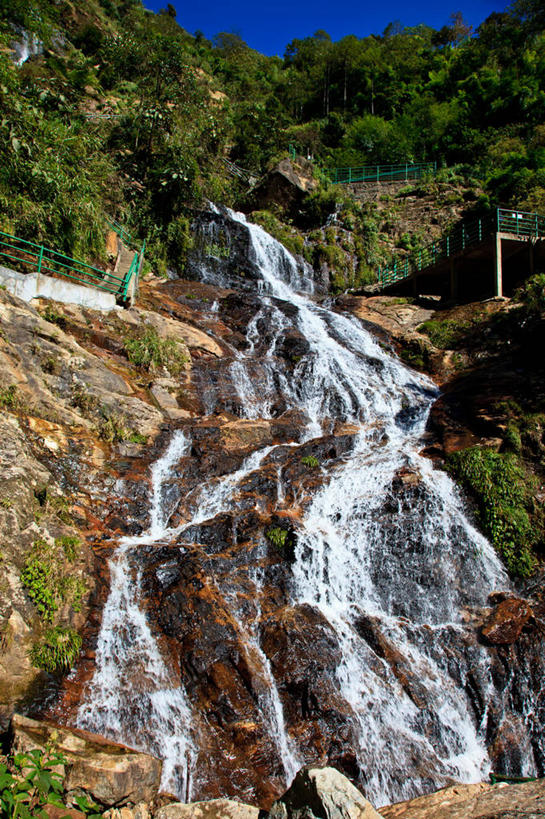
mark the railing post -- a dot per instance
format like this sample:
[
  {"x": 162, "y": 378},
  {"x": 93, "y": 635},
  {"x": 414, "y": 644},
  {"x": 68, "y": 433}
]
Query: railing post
[
  {"x": 350, "y": 174},
  {"x": 463, "y": 237},
  {"x": 448, "y": 245},
  {"x": 378, "y": 172},
  {"x": 480, "y": 230},
  {"x": 40, "y": 257},
  {"x": 406, "y": 172}
]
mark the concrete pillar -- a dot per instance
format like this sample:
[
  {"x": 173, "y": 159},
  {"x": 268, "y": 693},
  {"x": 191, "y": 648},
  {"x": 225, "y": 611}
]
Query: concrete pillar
[
  {"x": 498, "y": 279},
  {"x": 531, "y": 255},
  {"x": 453, "y": 280}
]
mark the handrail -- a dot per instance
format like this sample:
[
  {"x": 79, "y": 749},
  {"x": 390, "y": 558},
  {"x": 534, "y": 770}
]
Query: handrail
[
  {"x": 45, "y": 260},
  {"x": 402, "y": 172},
  {"x": 464, "y": 234}
]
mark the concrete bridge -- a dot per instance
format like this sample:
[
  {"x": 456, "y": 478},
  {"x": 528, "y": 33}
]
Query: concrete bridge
[{"x": 479, "y": 258}]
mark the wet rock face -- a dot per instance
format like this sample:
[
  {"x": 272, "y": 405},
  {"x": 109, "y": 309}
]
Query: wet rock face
[{"x": 506, "y": 622}]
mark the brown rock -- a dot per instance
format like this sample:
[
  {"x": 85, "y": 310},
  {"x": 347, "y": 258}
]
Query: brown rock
[
  {"x": 56, "y": 812},
  {"x": 506, "y": 622},
  {"x": 111, "y": 774},
  {"x": 480, "y": 801},
  {"x": 214, "y": 809}
]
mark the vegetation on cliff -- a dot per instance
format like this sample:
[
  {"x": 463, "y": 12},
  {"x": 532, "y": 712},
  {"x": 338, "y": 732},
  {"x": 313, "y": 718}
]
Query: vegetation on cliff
[{"x": 126, "y": 114}]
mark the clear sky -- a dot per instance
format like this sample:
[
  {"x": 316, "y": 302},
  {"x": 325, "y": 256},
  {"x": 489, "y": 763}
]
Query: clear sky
[{"x": 270, "y": 27}]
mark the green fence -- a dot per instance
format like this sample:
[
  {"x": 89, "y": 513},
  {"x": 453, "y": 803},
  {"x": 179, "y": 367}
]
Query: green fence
[
  {"x": 381, "y": 173},
  {"x": 465, "y": 234},
  {"x": 31, "y": 257}
]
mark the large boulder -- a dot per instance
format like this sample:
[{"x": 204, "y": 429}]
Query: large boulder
[
  {"x": 322, "y": 793},
  {"x": 285, "y": 185},
  {"x": 214, "y": 809},
  {"x": 110, "y": 773},
  {"x": 506, "y": 622}
]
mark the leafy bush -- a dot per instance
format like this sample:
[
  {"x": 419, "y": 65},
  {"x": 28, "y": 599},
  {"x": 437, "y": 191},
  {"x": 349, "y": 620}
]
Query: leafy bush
[
  {"x": 148, "y": 351},
  {"x": 47, "y": 581},
  {"x": 503, "y": 493},
  {"x": 57, "y": 650},
  {"x": 29, "y": 783}
]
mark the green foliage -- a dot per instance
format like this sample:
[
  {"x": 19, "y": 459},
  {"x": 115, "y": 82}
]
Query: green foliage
[
  {"x": 48, "y": 582},
  {"x": 148, "y": 351},
  {"x": 57, "y": 650},
  {"x": 284, "y": 540},
  {"x": 286, "y": 235},
  {"x": 310, "y": 461},
  {"x": 532, "y": 294},
  {"x": 9, "y": 398},
  {"x": 503, "y": 493},
  {"x": 70, "y": 545},
  {"x": 446, "y": 334},
  {"x": 38, "y": 578},
  {"x": 30, "y": 782}
]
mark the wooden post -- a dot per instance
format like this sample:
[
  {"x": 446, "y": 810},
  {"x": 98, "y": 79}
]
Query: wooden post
[{"x": 498, "y": 280}]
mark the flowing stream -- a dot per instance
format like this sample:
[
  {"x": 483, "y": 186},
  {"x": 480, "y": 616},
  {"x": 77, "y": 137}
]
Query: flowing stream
[{"x": 367, "y": 558}]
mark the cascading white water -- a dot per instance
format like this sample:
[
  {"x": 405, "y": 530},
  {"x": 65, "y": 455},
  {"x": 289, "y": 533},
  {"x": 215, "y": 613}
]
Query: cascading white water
[
  {"x": 363, "y": 556},
  {"x": 344, "y": 537},
  {"x": 133, "y": 697}
]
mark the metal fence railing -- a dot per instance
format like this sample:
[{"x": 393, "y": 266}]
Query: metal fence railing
[
  {"x": 381, "y": 173},
  {"x": 464, "y": 234},
  {"x": 32, "y": 257}
]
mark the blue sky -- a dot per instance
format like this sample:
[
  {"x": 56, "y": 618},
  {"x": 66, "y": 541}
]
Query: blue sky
[{"x": 269, "y": 28}]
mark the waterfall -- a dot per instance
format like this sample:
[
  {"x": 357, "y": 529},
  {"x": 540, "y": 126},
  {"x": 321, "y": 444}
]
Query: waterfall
[
  {"x": 391, "y": 571},
  {"x": 133, "y": 696}
]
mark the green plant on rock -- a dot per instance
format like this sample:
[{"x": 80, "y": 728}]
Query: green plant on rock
[
  {"x": 310, "y": 461},
  {"x": 503, "y": 493},
  {"x": 70, "y": 545},
  {"x": 9, "y": 399},
  {"x": 284, "y": 540},
  {"x": 57, "y": 650},
  {"x": 148, "y": 351},
  {"x": 31, "y": 781},
  {"x": 38, "y": 578}
]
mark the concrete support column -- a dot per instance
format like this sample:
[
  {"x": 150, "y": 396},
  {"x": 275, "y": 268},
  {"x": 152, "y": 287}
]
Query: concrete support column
[
  {"x": 531, "y": 255},
  {"x": 498, "y": 279},
  {"x": 453, "y": 280}
]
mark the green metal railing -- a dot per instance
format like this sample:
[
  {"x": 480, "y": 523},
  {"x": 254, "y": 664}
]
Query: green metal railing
[
  {"x": 123, "y": 234},
  {"x": 504, "y": 220},
  {"x": 30, "y": 257},
  {"x": 381, "y": 173}
]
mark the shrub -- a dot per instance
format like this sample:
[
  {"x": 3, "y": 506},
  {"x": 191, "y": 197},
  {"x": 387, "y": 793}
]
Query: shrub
[
  {"x": 148, "y": 351},
  {"x": 57, "y": 650},
  {"x": 30, "y": 782},
  {"x": 503, "y": 494}
]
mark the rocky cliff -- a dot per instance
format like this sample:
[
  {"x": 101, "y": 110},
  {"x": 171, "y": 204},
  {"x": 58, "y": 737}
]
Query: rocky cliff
[{"x": 282, "y": 638}]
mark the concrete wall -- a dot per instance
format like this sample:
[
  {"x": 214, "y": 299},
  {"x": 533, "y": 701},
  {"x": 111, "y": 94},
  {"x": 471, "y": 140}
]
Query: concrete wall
[{"x": 31, "y": 286}]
